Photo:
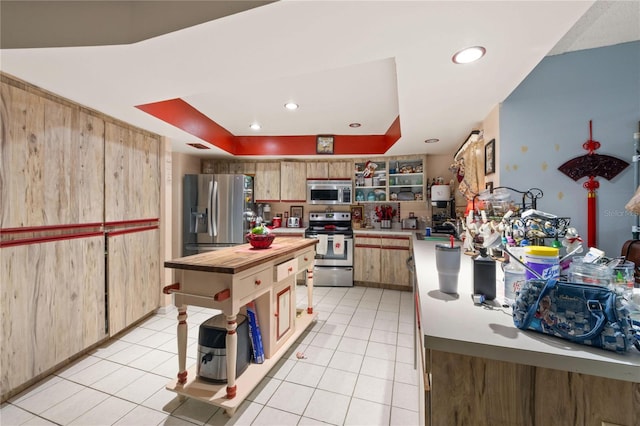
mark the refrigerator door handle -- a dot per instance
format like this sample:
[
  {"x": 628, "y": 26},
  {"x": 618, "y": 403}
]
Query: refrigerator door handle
[
  {"x": 209, "y": 211},
  {"x": 214, "y": 210}
]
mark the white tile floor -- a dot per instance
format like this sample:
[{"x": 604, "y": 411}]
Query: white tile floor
[{"x": 358, "y": 370}]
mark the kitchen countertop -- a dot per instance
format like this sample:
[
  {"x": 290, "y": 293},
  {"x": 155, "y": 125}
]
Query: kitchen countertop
[
  {"x": 284, "y": 231},
  {"x": 378, "y": 231},
  {"x": 232, "y": 260},
  {"x": 454, "y": 324}
]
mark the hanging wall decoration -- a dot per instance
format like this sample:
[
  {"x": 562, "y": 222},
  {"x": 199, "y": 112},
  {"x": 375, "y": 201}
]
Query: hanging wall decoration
[{"x": 591, "y": 166}]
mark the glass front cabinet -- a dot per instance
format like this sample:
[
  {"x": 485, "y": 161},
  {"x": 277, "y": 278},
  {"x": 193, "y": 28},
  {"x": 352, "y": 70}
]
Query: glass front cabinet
[{"x": 392, "y": 180}]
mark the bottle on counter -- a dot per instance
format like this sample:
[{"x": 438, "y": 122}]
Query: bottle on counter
[
  {"x": 514, "y": 276},
  {"x": 484, "y": 275}
]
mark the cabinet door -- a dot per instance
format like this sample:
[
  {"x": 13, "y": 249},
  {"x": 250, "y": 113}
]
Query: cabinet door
[
  {"x": 340, "y": 170},
  {"x": 242, "y": 168},
  {"x": 215, "y": 167},
  {"x": 318, "y": 170},
  {"x": 393, "y": 260},
  {"x": 284, "y": 309},
  {"x": 267, "y": 182},
  {"x": 293, "y": 181},
  {"x": 366, "y": 259}
]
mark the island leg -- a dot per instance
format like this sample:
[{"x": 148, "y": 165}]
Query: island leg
[
  {"x": 231, "y": 342},
  {"x": 310, "y": 290},
  {"x": 182, "y": 344}
]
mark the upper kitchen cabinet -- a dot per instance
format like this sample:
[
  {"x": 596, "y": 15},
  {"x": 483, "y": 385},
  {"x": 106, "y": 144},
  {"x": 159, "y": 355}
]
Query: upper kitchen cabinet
[
  {"x": 329, "y": 170},
  {"x": 371, "y": 181},
  {"x": 267, "y": 182},
  {"x": 132, "y": 174},
  {"x": 52, "y": 160},
  {"x": 242, "y": 168},
  {"x": 340, "y": 169},
  {"x": 406, "y": 179},
  {"x": 217, "y": 167},
  {"x": 317, "y": 170},
  {"x": 293, "y": 180}
]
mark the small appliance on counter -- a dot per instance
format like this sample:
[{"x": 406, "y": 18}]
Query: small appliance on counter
[
  {"x": 212, "y": 353},
  {"x": 410, "y": 223},
  {"x": 293, "y": 222},
  {"x": 276, "y": 222}
]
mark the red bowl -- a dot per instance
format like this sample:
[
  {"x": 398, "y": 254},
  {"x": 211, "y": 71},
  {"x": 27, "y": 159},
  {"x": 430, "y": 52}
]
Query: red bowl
[{"x": 260, "y": 241}]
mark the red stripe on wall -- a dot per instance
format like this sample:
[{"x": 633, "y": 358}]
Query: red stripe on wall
[
  {"x": 48, "y": 239},
  {"x": 131, "y": 231},
  {"x": 180, "y": 114},
  {"x": 131, "y": 222},
  {"x": 49, "y": 228}
]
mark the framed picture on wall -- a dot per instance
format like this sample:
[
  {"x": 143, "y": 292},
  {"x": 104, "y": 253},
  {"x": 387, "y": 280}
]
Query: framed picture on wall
[
  {"x": 357, "y": 213},
  {"x": 490, "y": 157},
  {"x": 324, "y": 144}
]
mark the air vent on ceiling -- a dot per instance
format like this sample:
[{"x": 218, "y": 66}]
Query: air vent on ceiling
[{"x": 198, "y": 146}]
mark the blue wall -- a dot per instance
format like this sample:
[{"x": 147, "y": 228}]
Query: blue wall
[{"x": 545, "y": 121}]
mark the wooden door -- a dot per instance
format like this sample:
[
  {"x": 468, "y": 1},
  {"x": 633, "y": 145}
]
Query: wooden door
[
  {"x": 341, "y": 170},
  {"x": 366, "y": 259},
  {"x": 393, "y": 259},
  {"x": 293, "y": 181},
  {"x": 317, "y": 170},
  {"x": 266, "y": 185}
]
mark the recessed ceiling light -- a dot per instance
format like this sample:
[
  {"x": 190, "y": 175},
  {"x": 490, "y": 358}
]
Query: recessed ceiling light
[
  {"x": 255, "y": 126},
  {"x": 291, "y": 106},
  {"x": 470, "y": 54},
  {"x": 432, "y": 140},
  {"x": 355, "y": 125}
]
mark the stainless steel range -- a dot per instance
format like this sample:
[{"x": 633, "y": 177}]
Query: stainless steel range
[{"x": 334, "y": 251}]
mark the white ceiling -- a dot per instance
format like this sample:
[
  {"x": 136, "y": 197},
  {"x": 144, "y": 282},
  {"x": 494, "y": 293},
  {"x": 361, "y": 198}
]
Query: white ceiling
[{"x": 342, "y": 61}]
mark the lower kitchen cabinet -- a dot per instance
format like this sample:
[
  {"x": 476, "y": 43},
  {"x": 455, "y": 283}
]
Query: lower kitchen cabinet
[
  {"x": 381, "y": 260},
  {"x": 52, "y": 304},
  {"x": 366, "y": 259},
  {"x": 133, "y": 278},
  {"x": 395, "y": 250}
]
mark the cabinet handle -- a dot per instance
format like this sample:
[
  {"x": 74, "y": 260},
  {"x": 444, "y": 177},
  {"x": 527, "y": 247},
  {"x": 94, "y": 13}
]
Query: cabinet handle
[
  {"x": 275, "y": 315},
  {"x": 258, "y": 282},
  {"x": 290, "y": 269},
  {"x": 306, "y": 258}
]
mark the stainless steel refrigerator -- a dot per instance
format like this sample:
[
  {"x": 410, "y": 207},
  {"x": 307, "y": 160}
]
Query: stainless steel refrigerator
[{"x": 216, "y": 211}]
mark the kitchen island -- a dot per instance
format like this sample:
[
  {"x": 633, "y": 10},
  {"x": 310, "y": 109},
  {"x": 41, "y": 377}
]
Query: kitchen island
[
  {"x": 480, "y": 369},
  {"x": 227, "y": 280}
]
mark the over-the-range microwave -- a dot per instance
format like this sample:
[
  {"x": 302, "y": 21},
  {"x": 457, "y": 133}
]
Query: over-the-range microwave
[{"x": 329, "y": 191}]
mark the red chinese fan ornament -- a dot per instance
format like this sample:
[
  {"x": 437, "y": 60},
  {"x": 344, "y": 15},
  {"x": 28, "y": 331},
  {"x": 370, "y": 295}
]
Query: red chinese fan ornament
[{"x": 592, "y": 165}]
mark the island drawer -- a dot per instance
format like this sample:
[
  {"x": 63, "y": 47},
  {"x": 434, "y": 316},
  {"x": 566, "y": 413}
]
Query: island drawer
[
  {"x": 286, "y": 269},
  {"x": 254, "y": 282},
  {"x": 305, "y": 260}
]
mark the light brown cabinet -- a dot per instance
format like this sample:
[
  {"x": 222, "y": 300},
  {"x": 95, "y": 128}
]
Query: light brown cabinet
[
  {"x": 330, "y": 170},
  {"x": 317, "y": 170},
  {"x": 395, "y": 250},
  {"x": 266, "y": 185},
  {"x": 242, "y": 167},
  {"x": 366, "y": 259},
  {"x": 293, "y": 181},
  {"x": 70, "y": 174},
  {"x": 382, "y": 260},
  {"x": 340, "y": 170}
]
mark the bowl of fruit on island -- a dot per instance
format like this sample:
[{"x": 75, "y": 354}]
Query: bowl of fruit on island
[{"x": 260, "y": 237}]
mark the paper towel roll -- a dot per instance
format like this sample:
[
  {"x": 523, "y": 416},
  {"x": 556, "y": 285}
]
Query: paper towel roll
[{"x": 440, "y": 193}]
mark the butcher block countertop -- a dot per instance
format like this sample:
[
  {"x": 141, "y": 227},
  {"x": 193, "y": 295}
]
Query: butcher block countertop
[{"x": 232, "y": 260}]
